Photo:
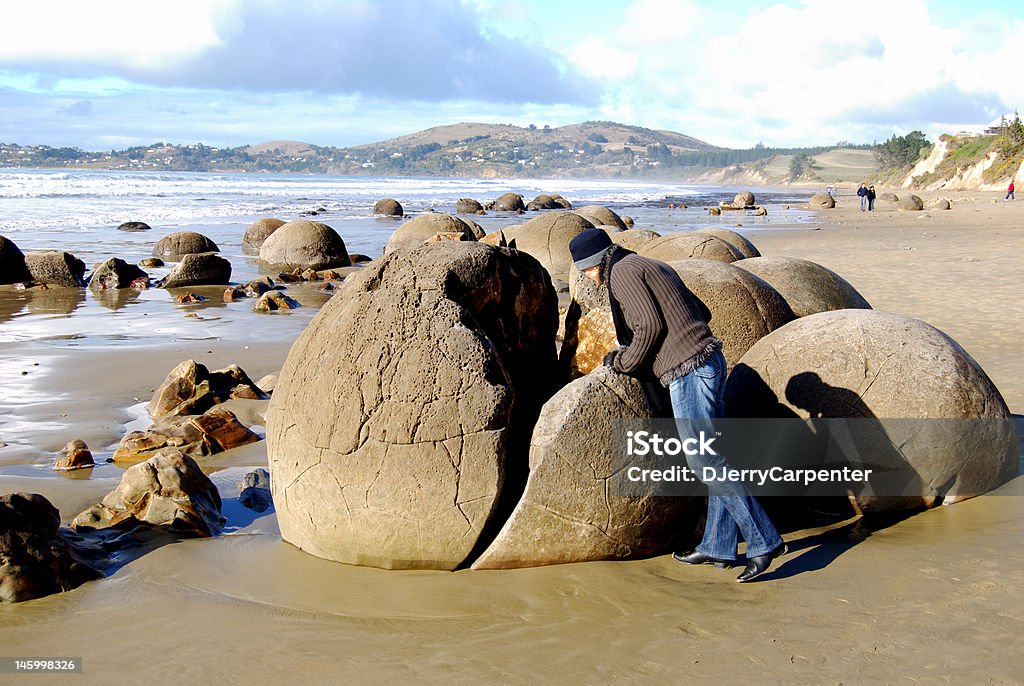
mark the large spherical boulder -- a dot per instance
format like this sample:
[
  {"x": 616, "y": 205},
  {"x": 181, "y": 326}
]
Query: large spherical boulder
[
  {"x": 911, "y": 203},
  {"x": 689, "y": 246},
  {"x": 888, "y": 197},
  {"x": 400, "y": 419},
  {"x": 427, "y": 227},
  {"x": 547, "y": 238},
  {"x": 743, "y": 246},
  {"x": 569, "y": 511},
  {"x": 258, "y": 232},
  {"x": 12, "y": 263},
  {"x": 509, "y": 202},
  {"x": 115, "y": 273},
  {"x": 56, "y": 268},
  {"x": 743, "y": 307},
  {"x": 821, "y": 201},
  {"x": 545, "y": 201},
  {"x": 807, "y": 286},
  {"x": 478, "y": 231},
  {"x": 468, "y": 206},
  {"x": 599, "y": 215},
  {"x": 37, "y": 559},
  {"x": 743, "y": 199},
  {"x": 940, "y": 415},
  {"x": 633, "y": 239},
  {"x": 941, "y": 204},
  {"x": 198, "y": 270},
  {"x": 183, "y": 243},
  {"x": 304, "y": 244},
  {"x": 388, "y": 207}
]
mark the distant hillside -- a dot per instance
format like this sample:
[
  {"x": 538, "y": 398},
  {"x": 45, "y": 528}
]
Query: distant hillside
[
  {"x": 595, "y": 149},
  {"x": 971, "y": 162}
]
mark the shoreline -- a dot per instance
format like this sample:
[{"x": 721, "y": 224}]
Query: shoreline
[{"x": 922, "y": 598}]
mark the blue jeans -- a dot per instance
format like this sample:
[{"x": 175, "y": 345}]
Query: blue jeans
[
  {"x": 697, "y": 399},
  {"x": 863, "y": 202}
]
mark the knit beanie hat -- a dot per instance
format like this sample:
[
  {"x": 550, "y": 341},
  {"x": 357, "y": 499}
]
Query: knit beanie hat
[{"x": 588, "y": 248}]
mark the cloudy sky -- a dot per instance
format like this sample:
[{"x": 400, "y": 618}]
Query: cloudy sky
[{"x": 101, "y": 74}]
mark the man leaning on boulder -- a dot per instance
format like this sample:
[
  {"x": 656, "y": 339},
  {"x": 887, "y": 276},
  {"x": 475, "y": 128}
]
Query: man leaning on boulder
[{"x": 662, "y": 328}]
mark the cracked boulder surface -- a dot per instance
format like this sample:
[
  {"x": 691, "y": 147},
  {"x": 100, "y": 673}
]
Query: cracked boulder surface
[
  {"x": 744, "y": 308},
  {"x": 547, "y": 238},
  {"x": 36, "y": 559},
  {"x": 807, "y": 286},
  {"x": 941, "y": 415},
  {"x": 425, "y": 227},
  {"x": 398, "y": 429},
  {"x": 167, "y": 490},
  {"x": 736, "y": 240},
  {"x": 689, "y": 246},
  {"x": 570, "y": 511}
]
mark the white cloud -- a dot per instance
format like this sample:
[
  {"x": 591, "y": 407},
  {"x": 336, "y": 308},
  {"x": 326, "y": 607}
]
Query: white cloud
[{"x": 595, "y": 57}]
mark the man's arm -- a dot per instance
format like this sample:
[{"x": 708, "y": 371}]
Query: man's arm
[{"x": 643, "y": 316}]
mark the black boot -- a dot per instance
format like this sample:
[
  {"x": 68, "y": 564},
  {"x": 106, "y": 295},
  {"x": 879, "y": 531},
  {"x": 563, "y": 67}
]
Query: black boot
[
  {"x": 696, "y": 558},
  {"x": 760, "y": 564}
]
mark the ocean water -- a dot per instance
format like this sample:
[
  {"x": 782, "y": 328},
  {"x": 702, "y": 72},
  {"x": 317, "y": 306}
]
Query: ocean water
[{"x": 78, "y": 211}]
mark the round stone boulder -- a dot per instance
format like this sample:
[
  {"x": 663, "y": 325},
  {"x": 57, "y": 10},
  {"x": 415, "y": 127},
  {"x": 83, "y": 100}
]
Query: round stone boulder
[
  {"x": 545, "y": 201},
  {"x": 56, "y": 268},
  {"x": 12, "y": 263},
  {"x": 183, "y": 243},
  {"x": 744, "y": 308},
  {"x": 509, "y": 202},
  {"x": 258, "y": 232},
  {"x": 304, "y": 244},
  {"x": 468, "y": 206},
  {"x": 134, "y": 226},
  {"x": 743, "y": 199},
  {"x": 570, "y": 511},
  {"x": 427, "y": 227},
  {"x": 478, "y": 231},
  {"x": 821, "y": 201},
  {"x": 911, "y": 203},
  {"x": 686, "y": 245},
  {"x": 633, "y": 239},
  {"x": 889, "y": 197},
  {"x": 937, "y": 413},
  {"x": 198, "y": 270},
  {"x": 941, "y": 204},
  {"x": 388, "y": 207},
  {"x": 743, "y": 246},
  {"x": 115, "y": 273},
  {"x": 599, "y": 215},
  {"x": 807, "y": 286},
  {"x": 400, "y": 420},
  {"x": 547, "y": 238}
]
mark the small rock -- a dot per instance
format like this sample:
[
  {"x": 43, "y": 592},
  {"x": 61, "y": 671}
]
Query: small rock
[
  {"x": 273, "y": 301},
  {"x": 189, "y": 298},
  {"x": 254, "y": 490},
  {"x": 134, "y": 226},
  {"x": 75, "y": 455},
  {"x": 151, "y": 262}
]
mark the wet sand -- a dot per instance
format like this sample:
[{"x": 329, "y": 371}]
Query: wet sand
[{"x": 932, "y": 598}]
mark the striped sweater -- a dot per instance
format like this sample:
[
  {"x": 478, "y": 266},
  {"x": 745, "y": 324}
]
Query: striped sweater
[{"x": 661, "y": 325}]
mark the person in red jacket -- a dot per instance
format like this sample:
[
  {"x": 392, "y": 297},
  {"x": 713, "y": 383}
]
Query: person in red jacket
[{"x": 1009, "y": 191}]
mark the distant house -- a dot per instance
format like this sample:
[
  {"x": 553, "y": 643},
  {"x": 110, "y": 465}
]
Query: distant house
[{"x": 1000, "y": 125}]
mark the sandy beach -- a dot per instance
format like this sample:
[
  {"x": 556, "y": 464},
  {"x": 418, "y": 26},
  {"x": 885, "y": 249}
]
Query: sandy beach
[{"x": 931, "y": 598}]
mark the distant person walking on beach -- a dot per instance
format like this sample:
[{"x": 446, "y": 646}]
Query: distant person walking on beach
[
  {"x": 871, "y": 198},
  {"x": 862, "y": 193},
  {"x": 663, "y": 331},
  {"x": 1009, "y": 191}
]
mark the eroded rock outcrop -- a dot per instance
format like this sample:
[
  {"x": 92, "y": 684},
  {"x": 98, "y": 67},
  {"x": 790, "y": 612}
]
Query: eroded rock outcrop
[
  {"x": 115, "y": 273},
  {"x": 56, "y": 268},
  {"x": 36, "y": 559},
  {"x": 167, "y": 490},
  {"x": 392, "y": 432},
  {"x": 212, "y": 432},
  {"x": 190, "y": 388},
  {"x": 198, "y": 270}
]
